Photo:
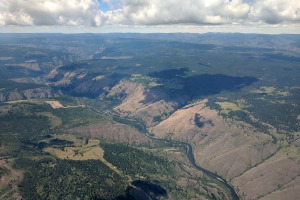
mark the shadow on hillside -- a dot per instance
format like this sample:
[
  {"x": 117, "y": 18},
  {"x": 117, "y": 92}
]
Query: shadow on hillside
[
  {"x": 143, "y": 190},
  {"x": 199, "y": 85},
  {"x": 209, "y": 84}
]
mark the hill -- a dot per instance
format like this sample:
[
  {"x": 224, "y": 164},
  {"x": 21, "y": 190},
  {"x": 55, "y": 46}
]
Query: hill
[{"x": 234, "y": 101}]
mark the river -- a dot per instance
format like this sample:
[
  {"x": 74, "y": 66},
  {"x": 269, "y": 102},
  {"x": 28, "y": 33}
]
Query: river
[
  {"x": 142, "y": 128},
  {"x": 209, "y": 173},
  {"x": 191, "y": 158}
]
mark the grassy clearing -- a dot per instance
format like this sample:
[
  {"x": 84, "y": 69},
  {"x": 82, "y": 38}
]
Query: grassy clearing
[
  {"x": 55, "y": 104},
  {"x": 77, "y": 153},
  {"x": 282, "y": 93},
  {"x": 270, "y": 91},
  {"x": 71, "y": 112},
  {"x": 264, "y": 89},
  {"x": 145, "y": 80},
  {"x": 295, "y": 88},
  {"x": 6, "y": 58},
  {"x": 228, "y": 106},
  {"x": 292, "y": 152},
  {"x": 98, "y": 78},
  {"x": 153, "y": 84},
  {"x": 22, "y": 101},
  {"x": 136, "y": 75},
  {"x": 278, "y": 102},
  {"x": 82, "y": 149}
]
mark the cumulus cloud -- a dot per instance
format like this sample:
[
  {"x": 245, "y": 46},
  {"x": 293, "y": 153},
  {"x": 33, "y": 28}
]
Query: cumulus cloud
[
  {"x": 275, "y": 11},
  {"x": 51, "y": 12},
  {"x": 155, "y": 12},
  {"x": 148, "y": 12},
  {"x": 187, "y": 11}
]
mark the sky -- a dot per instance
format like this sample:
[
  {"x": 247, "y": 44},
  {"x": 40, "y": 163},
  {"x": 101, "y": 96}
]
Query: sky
[{"x": 196, "y": 16}]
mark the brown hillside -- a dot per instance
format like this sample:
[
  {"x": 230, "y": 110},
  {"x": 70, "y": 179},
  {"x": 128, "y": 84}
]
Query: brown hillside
[
  {"x": 143, "y": 103},
  {"x": 235, "y": 150}
]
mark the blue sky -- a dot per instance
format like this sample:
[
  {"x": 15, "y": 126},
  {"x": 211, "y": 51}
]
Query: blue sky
[{"x": 104, "y": 6}]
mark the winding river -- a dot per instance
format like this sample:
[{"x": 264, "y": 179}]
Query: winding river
[
  {"x": 209, "y": 173},
  {"x": 191, "y": 158},
  {"x": 142, "y": 128}
]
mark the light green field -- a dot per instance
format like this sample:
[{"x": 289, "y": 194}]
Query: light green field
[
  {"x": 145, "y": 80},
  {"x": 80, "y": 151},
  {"x": 270, "y": 91},
  {"x": 21, "y": 101},
  {"x": 264, "y": 89},
  {"x": 153, "y": 84},
  {"x": 98, "y": 78},
  {"x": 228, "y": 106},
  {"x": 77, "y": 153},
  {"x": 282, "y": 93}
]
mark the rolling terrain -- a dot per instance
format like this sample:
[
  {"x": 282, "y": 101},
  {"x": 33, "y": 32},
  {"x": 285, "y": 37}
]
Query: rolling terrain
[{"x": 87, "y": 98}]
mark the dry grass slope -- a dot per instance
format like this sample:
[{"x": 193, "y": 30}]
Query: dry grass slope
[{"x": 255, "y": 166}]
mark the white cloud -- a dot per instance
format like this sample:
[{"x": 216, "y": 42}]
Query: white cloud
[
  {"x": 149, "y": 12},
  {"x": 276, "y": 11},
  {"x": 201, "y": 12},
  {"x": 51, "y": 12}
]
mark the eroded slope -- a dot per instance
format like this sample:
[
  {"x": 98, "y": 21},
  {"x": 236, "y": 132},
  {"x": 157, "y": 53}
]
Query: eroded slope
[{"x": 255, "y": 164}]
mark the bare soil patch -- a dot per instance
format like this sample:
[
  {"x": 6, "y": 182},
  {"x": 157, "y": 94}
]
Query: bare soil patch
[
  {"x": 6, "y": 58},
  {"x": 10, "y": 180},
  {"x": 57, "y": 104}
]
